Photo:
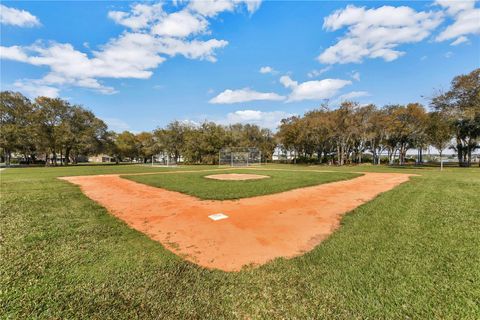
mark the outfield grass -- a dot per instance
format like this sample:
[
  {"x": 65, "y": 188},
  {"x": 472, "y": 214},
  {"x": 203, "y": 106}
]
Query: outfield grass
[
  {"x": 195, "y": 183},
  {"x": 413, "y": 252}
]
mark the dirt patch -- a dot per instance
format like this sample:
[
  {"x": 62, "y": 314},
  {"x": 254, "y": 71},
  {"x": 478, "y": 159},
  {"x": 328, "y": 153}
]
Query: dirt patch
[
  {"x": 257, "y": 229},
  {"x": 236, "y": 176}
]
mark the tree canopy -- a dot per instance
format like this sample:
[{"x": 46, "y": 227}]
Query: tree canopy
[{"x": 58, "y": 131}]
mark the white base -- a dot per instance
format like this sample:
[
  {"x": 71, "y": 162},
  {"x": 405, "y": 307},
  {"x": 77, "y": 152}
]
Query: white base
[{"x": 218, "y": 216}]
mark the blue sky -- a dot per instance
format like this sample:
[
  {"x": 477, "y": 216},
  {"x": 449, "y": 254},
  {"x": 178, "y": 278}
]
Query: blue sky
[{"x": 140, "y": 65}]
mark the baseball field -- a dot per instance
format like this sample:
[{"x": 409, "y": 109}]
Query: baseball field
[{"x": 134, "y": 241}]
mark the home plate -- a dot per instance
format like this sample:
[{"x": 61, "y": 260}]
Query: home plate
[{"x": 218, "y": 216}]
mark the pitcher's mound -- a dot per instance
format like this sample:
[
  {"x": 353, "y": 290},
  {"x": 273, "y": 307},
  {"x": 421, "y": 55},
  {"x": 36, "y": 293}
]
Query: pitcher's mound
[{"x": 236, "y": 176}]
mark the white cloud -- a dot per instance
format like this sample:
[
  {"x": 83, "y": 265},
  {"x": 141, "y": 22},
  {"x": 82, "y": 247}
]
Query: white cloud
[
  {"x": 190, "y": 20},
  {"x": 353, "y": 95},
  {"x": 459, "y": 40},
  {"x": 266, "y": 69},
  {"x": 448, "y": 54},
  {"x": 244, "y": 95},
  {"x": 313, "y": 90},
  {"x": 13, "y": 53},
  {"x": 180, "y": 24},
  {"x": 375, "y": 33},
  {"x": 35, "y": 89},
  {"x": 264, "y": 119},
  {"x": 212, "y": 8},
  {"x": 287, "y": 82},
  {"x": 195, "y": 49},
  {"x": 316, "y": 73},
  {"x": 139, "y": 17},
  {"x": 19, "y": 18},
  {"x": 466, "y": 18},
  {"x": 154, "y": 37}
]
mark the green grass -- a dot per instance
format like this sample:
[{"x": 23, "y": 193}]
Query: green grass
[
  {"x": 412, "y": 253},
  {"x": 195, "y": 183}
]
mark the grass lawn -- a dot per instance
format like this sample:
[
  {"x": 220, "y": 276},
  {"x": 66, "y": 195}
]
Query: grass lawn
[
  {"x": 195, "y": 183},
  {"x": 413, "y": 252}
]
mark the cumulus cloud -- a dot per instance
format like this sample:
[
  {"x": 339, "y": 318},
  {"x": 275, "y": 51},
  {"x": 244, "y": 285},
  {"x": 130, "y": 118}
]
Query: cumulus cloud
[
  {"x": 152, "y": 36},
  {"x": 353, "y": 95},
  {"x": 466, "y": 20},
  {"x": 16, "y": 17},
  {"x": 313, "y": 90},
  {"x": 181, "y": 24},
  {"x": 139, "y": 17},
  {"x": 244, "y": 95},
  {"x": 13, "y": 53},
  {"x": 214, "y": 7},
  {"x": 34, "y": 89},
  {"x": 376, "y": 33},
  {"x": 266, "y": 69}
]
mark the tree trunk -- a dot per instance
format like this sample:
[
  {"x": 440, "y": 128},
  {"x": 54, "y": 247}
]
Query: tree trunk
[
  {"x": 7, "y": 158},
  {"x": 342, "y": 154},
  {"x": 401, "y": 160},
  {"x": 67, "y": 156},
  {"x": 459, "y": 152},
  {"x": 469, "y": 154},
  {"x": 441, "y": 161}
]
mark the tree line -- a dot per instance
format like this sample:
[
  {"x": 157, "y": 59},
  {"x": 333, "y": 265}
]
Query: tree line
[
  {"x": 56, "y": 132},
  {"x": 193, "y": 144},
  {"x": 50, "y": 127},
  {"x": 345, "y": 134}
]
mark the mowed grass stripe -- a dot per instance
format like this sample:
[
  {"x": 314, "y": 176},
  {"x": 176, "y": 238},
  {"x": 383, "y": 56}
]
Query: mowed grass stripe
[
  {"x": 413, "y": 252},
  {"x": 195, "y": 183}
]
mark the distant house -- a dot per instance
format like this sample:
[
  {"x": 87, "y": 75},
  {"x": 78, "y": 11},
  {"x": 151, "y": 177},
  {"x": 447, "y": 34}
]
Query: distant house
[
  {"x": 101, "y": 158},
  {"x": 280, "y": 154}
]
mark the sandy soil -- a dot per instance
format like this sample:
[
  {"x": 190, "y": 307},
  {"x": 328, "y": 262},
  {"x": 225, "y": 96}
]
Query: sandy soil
[
  {"x": 258, "y": 229},
  {"x": 236, "y": 176}
]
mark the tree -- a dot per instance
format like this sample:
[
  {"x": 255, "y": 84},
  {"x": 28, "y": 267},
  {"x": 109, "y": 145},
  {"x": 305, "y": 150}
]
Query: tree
[
  {"x": 377, "y": 134},
  {"x": 288, "y": 134},
  {"x": 147, "y": 147},
  {"x": 16, "y": 124},
  {"x": 174, "y": 138},
  {"x": 127, "y": 145},
  {"x": 51, "y": 125},
  {"x": 363, "y": 130},
  {"x": 82, "y": 134},
  {"x": 405, "y": 125},
  {"x": 344, "y": 133},
  {"x": 439, "y": 132},
  {"x": 462, "y": 106}
]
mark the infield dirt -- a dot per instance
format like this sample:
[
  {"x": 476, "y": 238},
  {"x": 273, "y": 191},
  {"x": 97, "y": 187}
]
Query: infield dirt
[{"x": 257, "y": 230}]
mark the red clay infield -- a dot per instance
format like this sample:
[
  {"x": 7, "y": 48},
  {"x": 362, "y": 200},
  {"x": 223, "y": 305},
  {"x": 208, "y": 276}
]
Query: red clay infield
[{"x": 257, "y": 229}]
